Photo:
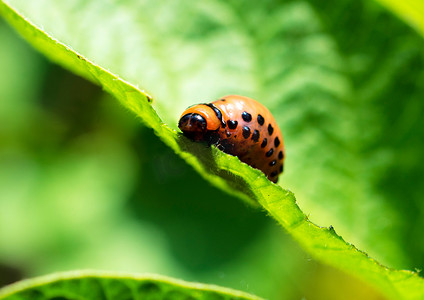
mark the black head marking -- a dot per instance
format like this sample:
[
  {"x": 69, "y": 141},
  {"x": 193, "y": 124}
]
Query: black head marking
[
  {"x": 255, "y": 136},
  {"x": 261, "y": 120},
  {"x": 264, "y": 143},
  {"x": 218, "y": 113},
  {"x": 274, "y": 173},
  {"x": 272, "y": 163},
  {"x": 184, "y": 120},
  {"x": 269, "y": 153},
  {"x": 246, "y": 116},
  {"x": 280, "y": 155},
  {"x": 281, "y": 168},
  {"x": 270, "y": 129},
  {"x": 192, "y": 122},
  {"x": 246, "y": 132},
  {"x": 232, "y": 124}
]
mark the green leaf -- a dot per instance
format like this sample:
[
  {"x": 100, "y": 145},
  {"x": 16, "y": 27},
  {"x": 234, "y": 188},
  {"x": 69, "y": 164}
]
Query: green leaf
[
  {"x": 304, "y": 65},
  {"x": 411, "y": 11},
  {"x": 100, "y": 285},
  {"x": 378, "y": 158}
]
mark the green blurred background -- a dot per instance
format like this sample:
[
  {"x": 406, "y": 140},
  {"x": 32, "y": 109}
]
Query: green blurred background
[{"x": 84, "y": 185}]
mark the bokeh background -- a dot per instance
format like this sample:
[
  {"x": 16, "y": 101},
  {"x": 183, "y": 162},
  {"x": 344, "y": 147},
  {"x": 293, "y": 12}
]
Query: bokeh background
[{"x": 84, "y": 185}]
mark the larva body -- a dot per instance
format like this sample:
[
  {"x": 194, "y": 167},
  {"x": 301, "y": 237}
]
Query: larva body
[{"x": 239, "y": 126}]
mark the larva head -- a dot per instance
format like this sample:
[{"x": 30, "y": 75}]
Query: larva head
[{"x": 198, "y": 121}]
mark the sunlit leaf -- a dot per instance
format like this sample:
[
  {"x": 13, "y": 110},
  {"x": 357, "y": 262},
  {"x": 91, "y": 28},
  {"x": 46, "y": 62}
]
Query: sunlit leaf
[
  {"x": 293, "y": 73},
  {"x": 99, "y": 285},
  {"x": 412, "y": 11}
]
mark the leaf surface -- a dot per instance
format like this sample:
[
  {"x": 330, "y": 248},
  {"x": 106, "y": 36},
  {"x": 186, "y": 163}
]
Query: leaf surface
[
  {"x": 103, "y": 285},
  {"x": 300, "y": 69},
  {"x": 410, "y": 11}
]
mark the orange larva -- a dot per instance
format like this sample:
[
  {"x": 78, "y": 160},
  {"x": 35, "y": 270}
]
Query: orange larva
[{"x": 239, "y": 126}]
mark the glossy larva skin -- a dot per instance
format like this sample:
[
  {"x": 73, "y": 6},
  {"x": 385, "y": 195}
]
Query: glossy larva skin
[{"x": 239, "y": 126}]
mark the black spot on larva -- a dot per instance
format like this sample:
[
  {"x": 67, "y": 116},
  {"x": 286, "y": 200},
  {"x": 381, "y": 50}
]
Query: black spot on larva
[
  {"x": 280, "y": 155},
  {"x": 277, "y": 142},
  {"x": 255, "y": 136},
  {"x": 264, "y": 142},
  {"x": 228, "y": 134},
  {"x": 223, "y": 99},
  {"x": 232, "y": 124},
  {"x": 246, "y": 116},
  {"x": 218, "y": 113},
  {"x": 272, "y": 163},
  {"x": 261, "y": 120},
  {"x": 270, "y": 129},
  {"x": 281, "y": 168},
  {"x": 246, "y": 132},
  {"x": 274, "y": 173},
  {"x": 269, "y": 153}
]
